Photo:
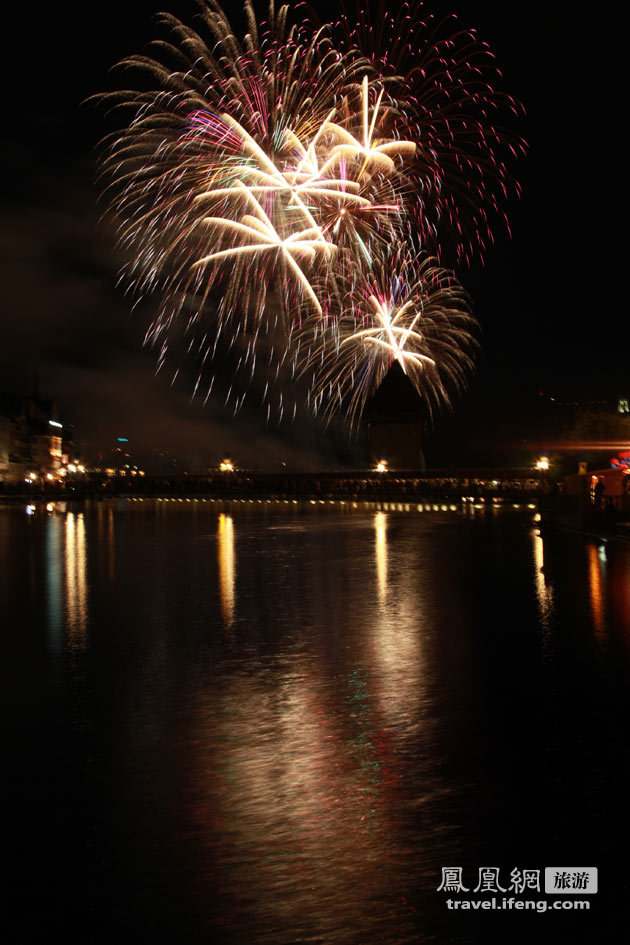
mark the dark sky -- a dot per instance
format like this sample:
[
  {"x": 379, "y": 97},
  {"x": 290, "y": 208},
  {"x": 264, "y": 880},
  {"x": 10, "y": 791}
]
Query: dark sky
[{"x": 550, "y": 301}]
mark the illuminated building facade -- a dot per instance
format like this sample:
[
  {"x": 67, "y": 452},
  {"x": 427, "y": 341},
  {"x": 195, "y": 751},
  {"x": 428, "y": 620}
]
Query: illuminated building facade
[{"x": 31, "y": 438}]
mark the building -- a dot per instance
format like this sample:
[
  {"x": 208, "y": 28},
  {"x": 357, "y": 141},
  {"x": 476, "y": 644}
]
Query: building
[
  {"x": 30, "y": 438},
  {"x": 396, "y": 415},
  {"x": 5, "y": 444}
]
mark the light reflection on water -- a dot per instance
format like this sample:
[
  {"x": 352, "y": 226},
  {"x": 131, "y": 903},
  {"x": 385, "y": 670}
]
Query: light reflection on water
[
  {"x": 66, "y": 580},
  {"x": 76, "y": 579},
  {"x": 289, "y": 734},
  {"x": 225, "y": 560},
  {"x": 597, "y": 565},
  {"x": 55, "y": 591},
  {"x": 380, "y": 526},
  {"x": 300, "y": 781},
  {"x": 396, "y": 637},
  {"x": 544, "y": 592}
]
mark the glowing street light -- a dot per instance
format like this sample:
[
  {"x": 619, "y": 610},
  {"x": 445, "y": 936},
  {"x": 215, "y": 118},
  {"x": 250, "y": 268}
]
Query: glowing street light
[
  {"x": 226, "y": 466},
  {"x": 542, "y": 464},
  {"x": 381, "y": 466}
]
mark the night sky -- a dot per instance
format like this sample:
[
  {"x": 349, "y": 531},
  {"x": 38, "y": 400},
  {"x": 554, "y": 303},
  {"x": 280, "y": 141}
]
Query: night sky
[{"x": 549, "y": 301}]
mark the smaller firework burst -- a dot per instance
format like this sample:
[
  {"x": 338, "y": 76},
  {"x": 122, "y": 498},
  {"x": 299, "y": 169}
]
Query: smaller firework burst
[{"x": 406, "y": 310}]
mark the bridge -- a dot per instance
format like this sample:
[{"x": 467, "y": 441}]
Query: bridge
[{"x": 355, "y": 485}]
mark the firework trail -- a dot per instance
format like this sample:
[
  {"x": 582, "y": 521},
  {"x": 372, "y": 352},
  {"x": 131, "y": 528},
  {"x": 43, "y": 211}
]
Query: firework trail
[{"x": 280, "y": 196}]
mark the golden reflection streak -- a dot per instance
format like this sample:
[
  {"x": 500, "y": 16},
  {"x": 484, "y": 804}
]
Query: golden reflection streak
[
  {"x": 71, "y": 604},
  {"x": 539, "y": 561},
  {"x": 596, "y": 592},
  {"x": 380, "y": 525},
  {"x": 544, "y": 592},
  {"x": 225, "y": 560},
  {"x": 76, "y": 578},
  {"x": 396, "y": 650}
]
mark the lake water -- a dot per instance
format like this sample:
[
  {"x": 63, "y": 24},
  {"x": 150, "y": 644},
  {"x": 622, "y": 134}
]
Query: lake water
[{"x": 268, "y": 723}]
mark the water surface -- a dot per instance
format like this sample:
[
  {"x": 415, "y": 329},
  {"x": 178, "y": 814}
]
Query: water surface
[{"x": 264, "y": 724}]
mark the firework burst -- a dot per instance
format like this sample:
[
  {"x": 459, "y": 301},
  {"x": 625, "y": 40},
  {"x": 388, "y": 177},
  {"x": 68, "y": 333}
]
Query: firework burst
[
  {"x": 407, "y": 310},
  {"x": 290, "y": 186}
]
